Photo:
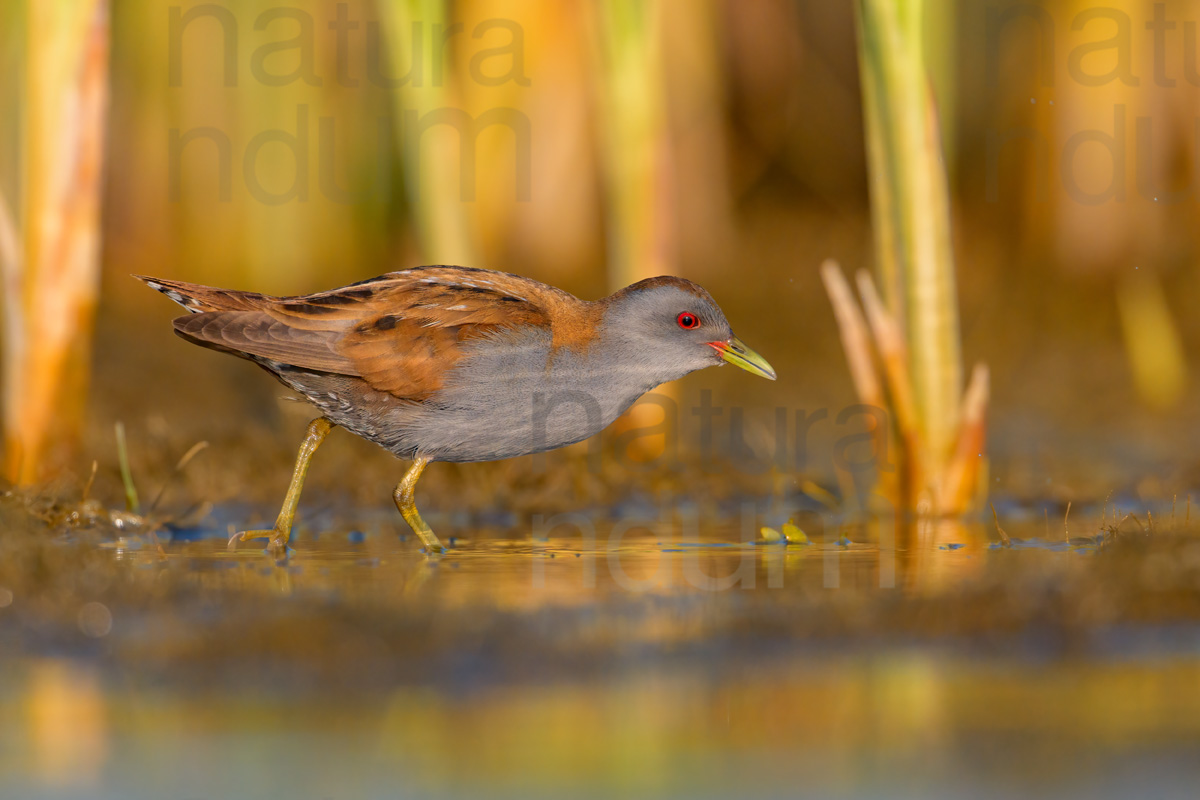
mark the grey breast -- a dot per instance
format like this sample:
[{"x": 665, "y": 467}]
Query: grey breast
[{"x": 510, "y": 396}]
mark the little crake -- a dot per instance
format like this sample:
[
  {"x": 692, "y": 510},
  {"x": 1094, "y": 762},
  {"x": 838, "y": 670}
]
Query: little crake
[{"x": 461, "y": 364}]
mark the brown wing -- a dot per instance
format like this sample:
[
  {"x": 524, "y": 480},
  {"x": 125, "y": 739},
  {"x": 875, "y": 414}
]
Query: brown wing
[
  {"x": 401, "y": 332},
  {"x": 422, "y": 318},
  {"x": 197, "y": 299},
  {"x": 266, "y": 335}
]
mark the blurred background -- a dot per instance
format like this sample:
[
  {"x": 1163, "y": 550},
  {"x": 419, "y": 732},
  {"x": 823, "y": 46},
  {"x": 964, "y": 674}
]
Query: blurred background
[
  {"x": 297, "y": 147},
  {"x": 292, "y": 146}
]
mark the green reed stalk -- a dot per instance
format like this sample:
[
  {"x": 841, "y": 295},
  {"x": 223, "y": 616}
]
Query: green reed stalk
[
  {"x": 634, "y": 139},
  {"x": 431, "y": 150},
  {"x": 941, "y": 58},
  {"x": 910, "y": 205}
]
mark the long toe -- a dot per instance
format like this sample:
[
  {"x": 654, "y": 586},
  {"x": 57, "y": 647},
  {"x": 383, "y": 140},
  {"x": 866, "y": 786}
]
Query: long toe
[{"x": 278, "y": 539}]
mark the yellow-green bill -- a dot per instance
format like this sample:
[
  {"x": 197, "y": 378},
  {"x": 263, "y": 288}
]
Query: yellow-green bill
[{"x": 737, "y": 353}]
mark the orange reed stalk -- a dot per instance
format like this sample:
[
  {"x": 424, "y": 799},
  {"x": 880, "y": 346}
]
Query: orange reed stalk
[{"x": 51, "y": 260}]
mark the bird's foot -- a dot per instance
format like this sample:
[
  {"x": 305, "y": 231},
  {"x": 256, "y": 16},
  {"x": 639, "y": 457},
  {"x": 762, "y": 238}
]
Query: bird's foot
[
  {"x": 431, "y": 544},
  {"x": 278, "y": 539},
  {"x": 429, "y": 540},
  {"x": 403, "y": 495}
]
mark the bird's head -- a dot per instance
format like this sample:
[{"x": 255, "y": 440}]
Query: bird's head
[{"x": 675, "y": 327}]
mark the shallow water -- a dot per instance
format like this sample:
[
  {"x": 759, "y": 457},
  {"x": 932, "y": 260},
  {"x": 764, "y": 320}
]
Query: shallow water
[{"x": 931, "y": 663}]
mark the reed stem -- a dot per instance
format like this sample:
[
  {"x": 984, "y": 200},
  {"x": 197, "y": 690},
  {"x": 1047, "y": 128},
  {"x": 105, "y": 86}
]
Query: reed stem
[
  {"x": 634, "y": 141},
  {"x": 51, "y": 254},
  {"x": 911, "y": 210},
  {"x": 430, "y": 147}
]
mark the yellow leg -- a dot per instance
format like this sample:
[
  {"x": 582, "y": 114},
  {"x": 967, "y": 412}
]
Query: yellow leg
[
  {"x": 408, "y": 507},
  {"x": 318, "y": 429}
]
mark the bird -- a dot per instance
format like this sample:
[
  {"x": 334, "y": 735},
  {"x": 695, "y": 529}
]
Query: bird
[{"x": 460, "y": 364}]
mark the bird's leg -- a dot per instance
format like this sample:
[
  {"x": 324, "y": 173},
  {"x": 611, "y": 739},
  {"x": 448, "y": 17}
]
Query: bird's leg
[
  {"x": 318, "y": 429},
  {"x": 408, "y": 507}
]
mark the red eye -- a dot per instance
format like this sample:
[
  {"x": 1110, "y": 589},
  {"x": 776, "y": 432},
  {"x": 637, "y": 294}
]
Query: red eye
[{"x": 687, "y": 321}]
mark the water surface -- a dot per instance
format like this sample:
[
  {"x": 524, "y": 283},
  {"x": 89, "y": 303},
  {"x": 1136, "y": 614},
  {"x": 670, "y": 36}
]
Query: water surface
[{"x": 933, "y": 662}]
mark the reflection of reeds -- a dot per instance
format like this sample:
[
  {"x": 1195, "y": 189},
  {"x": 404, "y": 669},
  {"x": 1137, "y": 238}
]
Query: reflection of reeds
[
  {"x": 51, "y": 257},
  {"x": 910, "y": 362}
]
